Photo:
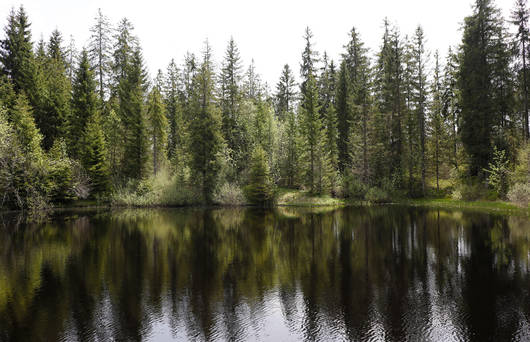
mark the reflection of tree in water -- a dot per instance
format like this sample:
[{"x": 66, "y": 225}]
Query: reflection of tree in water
[{"x": 356, "y": 273}]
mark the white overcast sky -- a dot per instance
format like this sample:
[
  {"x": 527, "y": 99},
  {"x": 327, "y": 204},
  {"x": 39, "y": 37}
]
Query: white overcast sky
[{"x": 268, "y": 31}]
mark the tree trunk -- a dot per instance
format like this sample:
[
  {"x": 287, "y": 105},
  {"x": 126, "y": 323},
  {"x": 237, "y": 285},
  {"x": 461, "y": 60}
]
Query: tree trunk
[
  {"x": 155, "y": 162},
  {"x": 526, "y": 133}
]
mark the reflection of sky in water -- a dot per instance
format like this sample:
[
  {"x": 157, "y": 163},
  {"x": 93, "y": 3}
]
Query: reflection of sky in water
[{"x": 369, "y": 274}]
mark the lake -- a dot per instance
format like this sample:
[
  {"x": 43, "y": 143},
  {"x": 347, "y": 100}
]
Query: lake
[{"x": 362, "y": 274}]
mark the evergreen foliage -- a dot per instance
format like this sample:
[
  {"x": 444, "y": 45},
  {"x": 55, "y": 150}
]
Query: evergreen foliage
[
  {"x": 95, "y": 157},
  {"x": 205, "y": 127},
  {"x": 84, "y": 105},
  {"x": 259, "y": 190},
  {"x": 285, "y": 93},
  {"x": 158, "y": 125},
  {"x": 371, "y": 126}
]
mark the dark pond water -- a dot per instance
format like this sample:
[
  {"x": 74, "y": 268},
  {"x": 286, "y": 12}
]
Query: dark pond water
[{"x": 360, "y": 274}]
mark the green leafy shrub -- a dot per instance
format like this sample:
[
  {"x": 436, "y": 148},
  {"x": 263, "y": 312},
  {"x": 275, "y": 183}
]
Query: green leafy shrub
[
  {"x": 521, "y": 173},
  {"x": 377, "y": 195},
  {"x": 520, "y": 194},
  {"x": 159, "y": 190},
  {"x": 229, "y": 194},
  {"x": 498, "y": 172},
  {"x": 469, "y": 192},
  {"x": 354, "y": 188}
]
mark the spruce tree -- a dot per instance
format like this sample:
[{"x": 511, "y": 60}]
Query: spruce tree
[
  {"x": 390, "y": 99},
  {"x": 99, "y": 51},
  {"x": 329, "y": 148},
  {"x": 55, "y": 46},
  {"x": 174, "y": 112},
  {"x": 292, "y": 150},
  {"x": 53, "y": 111},
  {"x": 156, "y": 113},
  {"x": 411, "y": 124},
  {"x": 84, "y": 105},
  {"x": 519, "y": 18},
  {"x": 352, "y": 102},
  {"x": 252, "y": 84},
  {"x": 113, "y": 131},
  {"x": 125, "y": 44},
  {"x": 230, "y": 101},
  {"x": 436, "y": 122},
  {"x": 259, "y": 190},
  {"x": 16, "y": 54},
  {"x": 261, "y": 127},
  {"x": 60, "y": 173},
  {"x": 26, "y": 130},
  {"x": 344, "y": 114},
  {"x": 420, "y": 57},
  {"x": 285, "y": 93},
  {"x": 451, "y": 104},
  {"x": 311, "y": 127},
  {"x": 503, "y": 91},
  {"x": 95, "y": 156},
  {"x": 326, "y": 85},
  {"x": 7, "y": 94},
  {"x": 309, "y": 59},
  {"x": 353, "y": 122},
  {"x": 206, "y": 137},
  {"x": 481, "y": 114},
  {"x": 189, "y": 71},
  {"x": 131, "y": 94},
  {"x": 71, "y": 57}
]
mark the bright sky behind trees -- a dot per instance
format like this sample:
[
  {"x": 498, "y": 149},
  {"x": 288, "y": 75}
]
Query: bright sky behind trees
[{"x": 268, "y": 31}]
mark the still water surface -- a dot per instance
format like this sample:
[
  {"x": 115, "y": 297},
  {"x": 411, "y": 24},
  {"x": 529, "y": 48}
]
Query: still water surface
[{"x": 359, "y": 274}]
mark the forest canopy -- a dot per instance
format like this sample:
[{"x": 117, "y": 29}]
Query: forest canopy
[{"x": 92, "y": 124}]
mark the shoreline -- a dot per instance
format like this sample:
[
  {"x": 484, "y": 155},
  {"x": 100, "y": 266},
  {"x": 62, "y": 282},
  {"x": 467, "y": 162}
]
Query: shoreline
[{"x": 307, "y": 202}]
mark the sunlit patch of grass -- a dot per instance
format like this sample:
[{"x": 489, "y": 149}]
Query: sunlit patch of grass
[
  {"x": 299, "y": 198},
  {"x": 489, "y": 206}
]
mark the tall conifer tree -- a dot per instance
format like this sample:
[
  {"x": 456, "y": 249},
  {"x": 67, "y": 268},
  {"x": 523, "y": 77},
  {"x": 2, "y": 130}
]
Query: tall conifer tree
[
  {"x": 285, "y": 93},
  {"x": 206, "y": 137},
  {"x": 99, "y": 51},
  {"x": 158, "y": 127},
  {"x": 84, "y": 104}
]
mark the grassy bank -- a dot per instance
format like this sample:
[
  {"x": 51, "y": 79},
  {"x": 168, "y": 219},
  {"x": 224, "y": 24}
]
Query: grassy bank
[
  {"x": 161, "y": 197},
  {"x": 486, "y": 206},
  {"x": 298, "y": 198}
]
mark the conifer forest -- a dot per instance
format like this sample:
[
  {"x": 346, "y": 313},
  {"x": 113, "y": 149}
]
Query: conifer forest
[{"x": 92, "y": 124}]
